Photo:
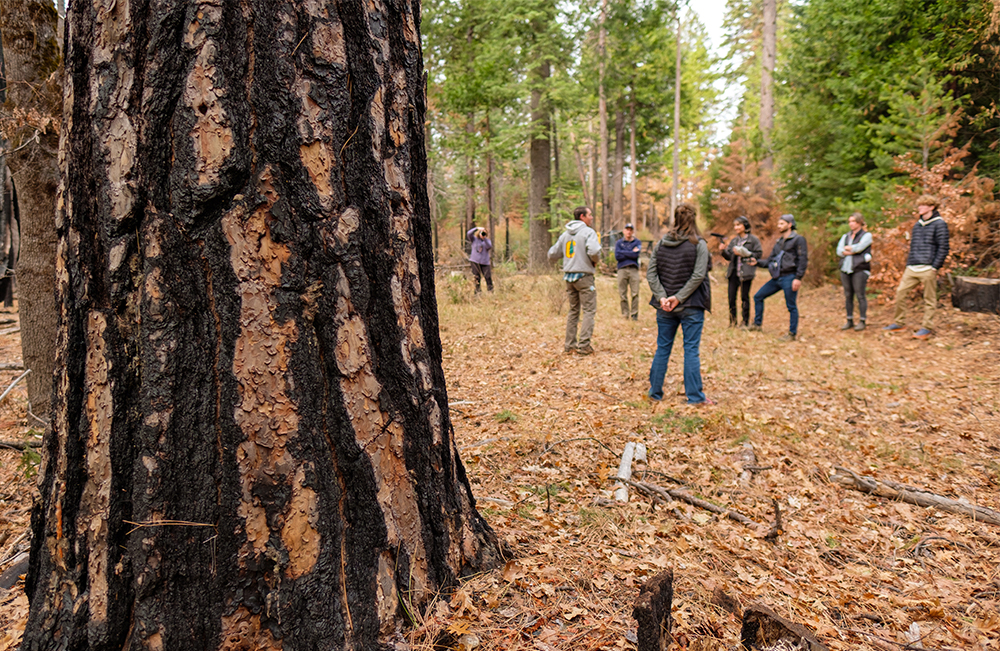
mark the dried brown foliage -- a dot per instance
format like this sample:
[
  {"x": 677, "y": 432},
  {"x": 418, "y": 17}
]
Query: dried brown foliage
[
  {"x": 967, "y": 205},
  {"x": 745, "y": 189}
]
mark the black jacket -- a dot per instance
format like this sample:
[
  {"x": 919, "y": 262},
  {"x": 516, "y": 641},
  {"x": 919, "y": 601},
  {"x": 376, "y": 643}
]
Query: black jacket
[
  {"x": 796, "y": 257},
  {"x": 929, "y": 242},
  {"x": 747, "y": 271}
]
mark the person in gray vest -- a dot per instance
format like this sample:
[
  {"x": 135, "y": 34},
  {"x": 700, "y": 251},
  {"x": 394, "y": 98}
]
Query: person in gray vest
[
  {"x": 627, "y": 251},
  {"x": 678, "y": 277},
  {"x": 928, "y": 250},
  {"x": 579, "y": 247},
  {"x": 740, "y": 272},
  {"x": 855, "y": 247}
]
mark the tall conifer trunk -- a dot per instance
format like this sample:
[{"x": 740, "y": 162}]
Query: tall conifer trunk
[
  {"x": 31, "y": 57},
  {"x": 602, "y": 117},
  {"x": 618, "y": 189},
  {"x": 767, "y": 80},
  {"x": 540, "y": 159},
  {"x": 251, "y": 446}
]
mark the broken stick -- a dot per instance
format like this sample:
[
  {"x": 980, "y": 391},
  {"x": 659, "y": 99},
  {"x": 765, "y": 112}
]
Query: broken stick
[
  {"x": 666, "y": 495},
  {"x": 912, "y": 495}
]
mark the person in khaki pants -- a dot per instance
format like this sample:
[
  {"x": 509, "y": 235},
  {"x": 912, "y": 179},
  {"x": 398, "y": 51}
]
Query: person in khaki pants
[
  {"x": 928, "y": 250},
  {"x": 627, "y": 251},
  {"x": 579, "y": 247}
]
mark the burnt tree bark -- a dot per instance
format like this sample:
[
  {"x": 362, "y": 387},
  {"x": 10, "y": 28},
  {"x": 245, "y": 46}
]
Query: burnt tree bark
[
  {"x": 31, "y": 58},
  {"x": 251, "y": 446}
]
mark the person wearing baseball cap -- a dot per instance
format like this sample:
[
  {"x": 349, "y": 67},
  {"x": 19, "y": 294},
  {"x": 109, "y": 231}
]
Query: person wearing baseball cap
[
  {"x": 627, "y": 254},
  {"x": 928, "y": 250}
]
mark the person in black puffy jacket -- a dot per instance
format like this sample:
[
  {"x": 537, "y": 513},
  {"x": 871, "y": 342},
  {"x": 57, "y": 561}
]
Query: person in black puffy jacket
[{"x": 928, "y": 251}]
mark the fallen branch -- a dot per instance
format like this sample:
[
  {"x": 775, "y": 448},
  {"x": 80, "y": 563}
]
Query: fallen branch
[
  {"x": 20, "y": 445},
  {"x": 668, "y": 495},
  {"x": 14, "y": 384},
  {"x": 8, "y": 366},
  {"x": 549, "y": 448},
  {"x": 624, "y": 472},
  {"x": 776, "y": 530},
  {"x": 912, "y": 495},
  {"x": 10, "y": 331}
]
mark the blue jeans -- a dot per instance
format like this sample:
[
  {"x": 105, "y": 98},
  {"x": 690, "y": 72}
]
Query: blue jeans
[
  {"x": 772, "y": 287},
  {"x": 691, "y": 322}
]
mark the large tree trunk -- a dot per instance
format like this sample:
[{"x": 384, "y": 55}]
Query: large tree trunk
[
  {"x": 617, "y": 188},
  {"x": 767, "y": 80},
  {"x": 251, "y": 446},
  {"x": 633, "y": 164},
  {"x": 31, "y": 58},
  {"x": 674, "y": 188},
  {"x": 602, "y": 117},
  {"x": 540, "y": 160}
]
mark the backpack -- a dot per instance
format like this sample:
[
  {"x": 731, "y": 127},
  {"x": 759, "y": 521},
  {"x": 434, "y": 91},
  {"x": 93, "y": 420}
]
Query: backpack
[{"x": 774, "y": 266}]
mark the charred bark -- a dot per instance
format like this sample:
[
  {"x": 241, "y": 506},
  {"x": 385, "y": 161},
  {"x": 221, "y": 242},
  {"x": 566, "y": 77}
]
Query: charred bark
[
  {"x": 31, "y": 61},
  {"x": 251, "y": 446}
]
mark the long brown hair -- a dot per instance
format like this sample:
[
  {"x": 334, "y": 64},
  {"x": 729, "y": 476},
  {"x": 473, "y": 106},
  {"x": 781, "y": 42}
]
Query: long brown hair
[{"x": 686, "y": 223}]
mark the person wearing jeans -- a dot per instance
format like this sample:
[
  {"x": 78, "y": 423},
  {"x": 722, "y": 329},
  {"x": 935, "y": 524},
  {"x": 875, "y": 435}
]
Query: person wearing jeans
[
  {"x": 678, "y": 278},
  {"x": 787, "y": 264}
]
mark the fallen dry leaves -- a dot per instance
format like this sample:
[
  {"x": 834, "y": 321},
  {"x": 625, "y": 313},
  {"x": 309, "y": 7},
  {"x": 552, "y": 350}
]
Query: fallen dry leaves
[{"x": 541, "y": 432}]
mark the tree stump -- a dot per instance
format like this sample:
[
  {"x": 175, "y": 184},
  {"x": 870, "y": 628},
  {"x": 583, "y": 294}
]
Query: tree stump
[
  {"x": 765, "y": 629},
  {"x": 976, "y": 294},
  {"x": 652, "y": 612}
]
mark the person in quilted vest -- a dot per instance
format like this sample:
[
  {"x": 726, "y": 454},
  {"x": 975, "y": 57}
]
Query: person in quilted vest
[{"x": 928, "y": 251}]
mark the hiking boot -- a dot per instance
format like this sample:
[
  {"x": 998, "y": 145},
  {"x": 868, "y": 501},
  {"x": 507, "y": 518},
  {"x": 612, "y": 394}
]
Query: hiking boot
[
  {"x": 585, "y": 350},
  {"x": 893, "y": 327},
  {"x": 860, "y": 326},
  {"x": 849, "y": 325},
  {"x": 787, "y": 337},
  {"x": 922, "y": 333},
  {"x": 754, "y": 328}
]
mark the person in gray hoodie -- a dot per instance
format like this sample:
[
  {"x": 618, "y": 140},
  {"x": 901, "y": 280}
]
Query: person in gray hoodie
[{"x": 579, "y": 247}]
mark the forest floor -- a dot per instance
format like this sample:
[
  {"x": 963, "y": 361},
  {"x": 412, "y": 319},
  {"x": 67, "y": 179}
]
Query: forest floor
[{"x": 541, "y": 434}]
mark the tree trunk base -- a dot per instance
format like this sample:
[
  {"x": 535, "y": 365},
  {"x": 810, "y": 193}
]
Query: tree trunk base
[
  {"x": 976, "y": 294},
  {"x": 764, "y": 629}
]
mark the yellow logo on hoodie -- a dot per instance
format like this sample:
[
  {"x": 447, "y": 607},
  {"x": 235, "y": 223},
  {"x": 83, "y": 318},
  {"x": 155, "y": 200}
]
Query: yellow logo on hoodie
[{"x": 570, "y": 248}]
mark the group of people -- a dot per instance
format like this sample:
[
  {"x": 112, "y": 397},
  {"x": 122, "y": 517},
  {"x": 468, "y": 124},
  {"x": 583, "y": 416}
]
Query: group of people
[{"x": 679, "y": 264}]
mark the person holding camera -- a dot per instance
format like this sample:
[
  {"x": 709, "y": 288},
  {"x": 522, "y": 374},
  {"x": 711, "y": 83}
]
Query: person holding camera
[
  {"x": 787, "y": 264},
  {"x": 740, "y": 272},
  {"x": 479, "y": 256},
  {"x": 579, "y": 247},
  {"x": 855, "y": 247}
]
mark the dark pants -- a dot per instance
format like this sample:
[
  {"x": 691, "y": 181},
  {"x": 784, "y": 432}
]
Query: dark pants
[
  {"x": 854, "y": 285},
  {"x": 771, "y": 287},
  {"x": 741, "y": 286},
  {"x": 484, "y": 271}
]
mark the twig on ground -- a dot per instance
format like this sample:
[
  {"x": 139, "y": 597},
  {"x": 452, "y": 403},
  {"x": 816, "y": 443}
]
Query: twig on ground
[
  {"x": 912, "y": 495},
  {"x": 550, "y": 447},
  {"x": 776, "y": 529},
  {"x": 20, "y": 445},
  {"x": 667, "y": 495},
  {"x": 14, "y": 384}
]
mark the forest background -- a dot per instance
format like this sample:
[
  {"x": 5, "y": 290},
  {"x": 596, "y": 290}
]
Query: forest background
[{"x": 536, "y": 107}]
